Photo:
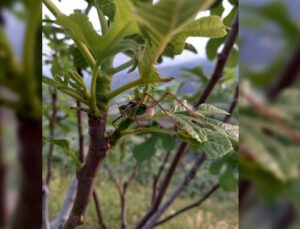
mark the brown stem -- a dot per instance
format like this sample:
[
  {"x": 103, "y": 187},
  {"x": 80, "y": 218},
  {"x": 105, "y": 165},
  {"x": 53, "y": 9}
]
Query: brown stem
[
  {"x": 244, "y": 191},
  {"x": 113, "y": 178},
  {"x": 286, "y": 220},
  {"x": 80, "y": 132},
  {"x": 191, "y": 206},
  {"x": 30, "y": 156},
  {"x": 221, "y": 62},
  {"x": 233, "y": 104},
  {"x": 288, "y": 77},
  {"x": 99, "y": 211},
  {"x": 98, "y": 150},
  {"x": 82, "y": 157},
  {"x": 157, "y": 176},
  {"x": 123, "y": 197},
  {"x": 52, "y": 124},
  {"x": 79, "y": 126},
  {"x": 123, "y": 210}
]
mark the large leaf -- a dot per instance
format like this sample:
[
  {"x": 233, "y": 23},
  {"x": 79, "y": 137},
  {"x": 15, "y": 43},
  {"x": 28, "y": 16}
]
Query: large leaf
[
  {"x": 159, "y": 23},
  {"x": 210, "y": 26},
  {"x": 213, "y": 46},
  {"x": 79, "y": 28},
  {"x": 102, "y": 47},
  {"x": 217, "y": 144},
  {"x": 147, "y": 149}
]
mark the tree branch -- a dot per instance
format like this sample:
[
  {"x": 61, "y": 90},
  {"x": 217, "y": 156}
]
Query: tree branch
[
  {"x": 52, "y": 124},
  {"x": 191, "y": 206},
  {"x": 82, "y": 157},
  {"x": 99, "y": 211},
  {"x": 188, "y": 178},
  {"x": 112, "y": 177},
  {"x": 98, "y": 150},
  {"x": 221, "y": 62},
  {"x": 288, "y": 77},
  {"x": 233, "y": 103},
  {"x": 45, "y": 210},
  {"x": 157, "y": 176}
]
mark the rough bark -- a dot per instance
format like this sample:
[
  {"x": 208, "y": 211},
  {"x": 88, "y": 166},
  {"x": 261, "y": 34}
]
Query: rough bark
[
  {"x": 98, "y": 149},
  {"x": 30, "y": 157}
]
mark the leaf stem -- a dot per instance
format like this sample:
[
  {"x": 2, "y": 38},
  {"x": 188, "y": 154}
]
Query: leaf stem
[
  {"x": 123, "y": 66},
  {"x": 147, "y": 130},
  {"x": 102, "y": 20},
  {"x": 136, "y": 83},
  {"x": 93, "y": 89},
  {"x": 52, "y": 7}
]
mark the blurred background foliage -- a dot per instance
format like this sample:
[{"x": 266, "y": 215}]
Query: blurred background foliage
[{"x": 269, "y": 160}]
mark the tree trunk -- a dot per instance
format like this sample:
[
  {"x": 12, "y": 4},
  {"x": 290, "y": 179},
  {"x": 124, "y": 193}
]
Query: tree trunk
[
  {"x": 98, "y": 150},
  {"x": 28, "y": 209}
]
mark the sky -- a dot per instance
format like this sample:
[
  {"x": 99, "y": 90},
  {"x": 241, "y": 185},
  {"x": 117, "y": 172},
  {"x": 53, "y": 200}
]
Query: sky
[{"x": 199, "y": 43}]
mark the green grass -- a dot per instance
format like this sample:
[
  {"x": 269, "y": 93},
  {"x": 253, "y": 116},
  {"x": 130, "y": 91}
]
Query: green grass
[{"x": 215, "y": 213}]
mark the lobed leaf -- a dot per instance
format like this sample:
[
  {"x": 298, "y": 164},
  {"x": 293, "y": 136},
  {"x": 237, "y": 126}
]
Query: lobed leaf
[
  {"x": 210, "y": 26},
  {"x": 159, "y": 23}
]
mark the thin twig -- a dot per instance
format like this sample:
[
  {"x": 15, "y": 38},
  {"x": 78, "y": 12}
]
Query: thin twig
[
  {"x": 233, "y": 103},
  {"x": 221, "y": 62},
  {"x": 191, "y": 206},
  {"x": 288, "y": 77},
  {"x": 157, "y": 176},
  {"x": 188, "y": 178},
  {"x": 99, "y": 211},
  {"x": 52, "y": 124},
  {"x": 113, "y": 178},
  {"x": 125, "y": 186}
]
